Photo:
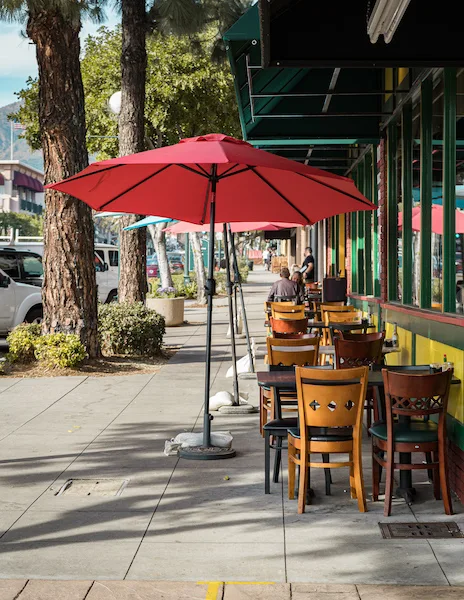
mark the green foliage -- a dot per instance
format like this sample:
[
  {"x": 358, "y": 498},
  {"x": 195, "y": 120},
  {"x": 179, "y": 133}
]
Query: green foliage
[
  {"x": 182, "y": 289},
  {"x": 187, "y": 94},
  {"x": 130, "y": 329},
  {"x": 60, "y": 350},
  {"x": 22, "y": 341},
  {"x": 26, "y": 224}
]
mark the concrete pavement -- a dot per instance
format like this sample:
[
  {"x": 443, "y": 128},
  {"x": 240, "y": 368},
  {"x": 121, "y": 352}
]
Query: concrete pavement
[{"x": 178, "y": 520}]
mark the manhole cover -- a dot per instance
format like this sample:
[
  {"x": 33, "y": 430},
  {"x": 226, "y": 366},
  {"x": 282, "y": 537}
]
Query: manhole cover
[
  {"x": 420, "y": 530},
  {"x": 92, "y": 487}
]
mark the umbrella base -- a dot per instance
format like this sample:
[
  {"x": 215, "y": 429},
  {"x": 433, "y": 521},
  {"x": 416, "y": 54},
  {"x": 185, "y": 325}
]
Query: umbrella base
[
  {"x": 242, "y": 409},
  {"x": 203, "y": 453}
]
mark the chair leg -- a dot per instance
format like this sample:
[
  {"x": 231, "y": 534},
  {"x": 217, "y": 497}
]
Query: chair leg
[
  {"x": 267, "y": 463},
  {"x": 375, "y": 474},
  {"x": 277, "y": 459},
  {"x": 435, "y": 477},
  {"x": 428, "y": 460},
  {"x": 389, "y": 483},
  {"x": 352, "y": 483},
  {"x": 328, "y": 478},
  {"x": 303, "y": 484},
  {"x": 444, "y": 481},
  {"x": 291, "y": 471},
  {"x": 359, "y": 481}
]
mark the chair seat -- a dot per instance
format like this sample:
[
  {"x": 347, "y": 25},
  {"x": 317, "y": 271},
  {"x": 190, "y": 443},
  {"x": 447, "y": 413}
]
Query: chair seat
[
  {"x": 324, "y": 434},
  {"x": 283, "y": 424},
  {"x": 403, "y": 432}
]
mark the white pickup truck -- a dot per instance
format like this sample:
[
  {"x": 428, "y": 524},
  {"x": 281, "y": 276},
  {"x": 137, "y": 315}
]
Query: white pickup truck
[{"x": 19, "y": 302}]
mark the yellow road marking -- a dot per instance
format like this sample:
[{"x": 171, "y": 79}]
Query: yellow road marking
[
  {"x": 213, "y": 589},
  {"x": 214, "y": 586}
]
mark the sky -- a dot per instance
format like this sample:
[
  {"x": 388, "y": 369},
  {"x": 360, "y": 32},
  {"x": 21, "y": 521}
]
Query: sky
[{"x": 17, "y": 56}]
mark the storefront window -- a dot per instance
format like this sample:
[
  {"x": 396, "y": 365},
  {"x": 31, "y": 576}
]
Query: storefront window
[
  {"x": 459, "y": 192},
  {"x": 437, "y": 195},
  {"x": 416, "y": 266},
  {"x": 399, "y": 199}
]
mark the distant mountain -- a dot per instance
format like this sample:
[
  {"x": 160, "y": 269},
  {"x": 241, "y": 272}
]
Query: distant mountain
[{"x": 22, "y": 151}]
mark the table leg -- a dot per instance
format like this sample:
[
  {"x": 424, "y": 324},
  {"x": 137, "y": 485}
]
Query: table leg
[{"x": 405, "y": 489}]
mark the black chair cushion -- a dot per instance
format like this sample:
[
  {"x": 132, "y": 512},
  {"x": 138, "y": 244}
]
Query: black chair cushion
[
  {"x": 281, "y": 424},
  {"x": 325, "y": 434},
  {"x": 414, "y": 432}
]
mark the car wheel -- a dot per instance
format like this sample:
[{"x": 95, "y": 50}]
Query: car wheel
[{"x": 35, "y": 315}]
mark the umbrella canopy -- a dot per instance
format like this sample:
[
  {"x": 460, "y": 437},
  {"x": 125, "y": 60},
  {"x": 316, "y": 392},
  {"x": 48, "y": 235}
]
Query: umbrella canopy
[
  {"x": 184, "y": 227},
  {"x": 250, "y": 184},
  {"x": 148, "y": 221},
  {"x": 437, "y": 219}
]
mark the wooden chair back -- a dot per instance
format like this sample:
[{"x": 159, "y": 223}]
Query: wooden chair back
[
  {"x": 416, "y": 395},
  {"x": 286, "y": 353},
  {"x": 330, "y": 317},
  {"x": 294, "y": 336},
  {"x": 349, "y": 354},
  {"x": 337, "y": 307},
  {"x": 362, "y": 337},
  {"x": 312, "y": 287},
  {"x": 287, "y": 310},
  {"x": 328, "y": 398},
  {"x": 288, "y": 325}
]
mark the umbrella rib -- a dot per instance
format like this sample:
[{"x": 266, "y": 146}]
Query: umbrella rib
[
  {"x": 81, "y": 176},
  {"x": 253, "y": 169},
  {"x": 228, "y": 171},
  {"x": 205, "y": 174},
  {"x": 331, "y": 187},
  {"x": 224, "y": 176},
  {"x": 202, "y": 169},
  {"x": 134, "y": 186}
]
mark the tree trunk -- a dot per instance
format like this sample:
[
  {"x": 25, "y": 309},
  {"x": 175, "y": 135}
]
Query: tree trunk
[
  {"x": 69, "y": 289},
  {"x": 133, "y": 276},
  {"x": 195, "y": 240},
  {"x": 164, "y": 271}
]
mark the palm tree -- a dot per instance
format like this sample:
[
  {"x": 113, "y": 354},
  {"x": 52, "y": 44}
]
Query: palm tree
[
  {"x": 69, "y": 290},
  {"x": 133, "y": 277}
]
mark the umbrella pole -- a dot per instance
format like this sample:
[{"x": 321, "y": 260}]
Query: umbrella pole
[
  {"x": 207, "y": 451},
  {"x": 238, "y": 284},
  {"x": 231, "y": 315}
]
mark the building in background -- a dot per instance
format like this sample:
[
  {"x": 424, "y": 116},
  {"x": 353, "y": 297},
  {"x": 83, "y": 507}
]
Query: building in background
[{"x": 21, "y": 188}]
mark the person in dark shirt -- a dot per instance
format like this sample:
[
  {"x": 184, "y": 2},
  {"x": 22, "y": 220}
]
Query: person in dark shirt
[
  {"x": 309, "y": 262},
  {"x": 284, "y": 287}
]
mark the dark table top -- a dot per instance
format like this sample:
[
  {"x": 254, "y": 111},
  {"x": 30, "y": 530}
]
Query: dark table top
[{"x": 285, "y": 380}]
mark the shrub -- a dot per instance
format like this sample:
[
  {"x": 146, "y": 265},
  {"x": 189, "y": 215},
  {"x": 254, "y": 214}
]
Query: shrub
[
  {"x": 60, "y": 350},
  {"x": 22, "y": 342},
  {"x": 130, "y": 329},
  {"x": 186, "y": 290}
]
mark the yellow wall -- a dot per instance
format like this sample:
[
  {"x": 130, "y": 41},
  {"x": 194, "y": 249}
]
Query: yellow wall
[{"x": 404, "y": 356}]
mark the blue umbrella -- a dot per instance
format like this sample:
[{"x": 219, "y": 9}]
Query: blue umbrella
[{"x": 148, "y": 221}]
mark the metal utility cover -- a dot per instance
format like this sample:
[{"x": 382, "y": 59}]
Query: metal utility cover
[
  {"x": 420, "y": 530},
  {"x": 93, "y": 487}
]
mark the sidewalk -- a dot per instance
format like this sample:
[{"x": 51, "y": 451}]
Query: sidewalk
[{"x": 179, "y": 520}]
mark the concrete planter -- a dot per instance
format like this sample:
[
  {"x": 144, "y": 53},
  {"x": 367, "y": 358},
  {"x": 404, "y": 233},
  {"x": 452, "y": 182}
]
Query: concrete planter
[{"x": 172, "y": 309}]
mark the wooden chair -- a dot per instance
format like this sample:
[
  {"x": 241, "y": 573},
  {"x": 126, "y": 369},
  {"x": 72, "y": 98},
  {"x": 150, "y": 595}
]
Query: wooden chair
[
  {"x": 410, "y": 396},
  {"x": 330, "y": 409},
  {"x": 287, "y": 310},
  {"x": 332, "y": 308},
  {"x": 283, "y": 354},
  {"x": 332, "y": 318},
  {"x": 349, "y": 354},
  {"x": 288, "y": 325},
  {"x": 294, "y": 336}
]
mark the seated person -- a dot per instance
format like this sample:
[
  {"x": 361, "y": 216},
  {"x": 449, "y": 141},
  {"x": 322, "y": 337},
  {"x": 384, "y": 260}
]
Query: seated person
[
  {"x": 284, "y": 287},
  {"x": 297, "y": 278}
]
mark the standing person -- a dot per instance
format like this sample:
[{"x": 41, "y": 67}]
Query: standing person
[
  {"x": 267, "y": 258},
  {"x": 283, "y": 288},
  {"x": 309, "y": 262}
]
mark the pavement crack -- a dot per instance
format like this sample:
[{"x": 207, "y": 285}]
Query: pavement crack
[{"x": 21, "y": 590}]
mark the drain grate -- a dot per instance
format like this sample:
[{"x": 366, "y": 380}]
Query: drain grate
[
  {"x": 92, "y": 487},
  {"x": 420, "y": 530}
]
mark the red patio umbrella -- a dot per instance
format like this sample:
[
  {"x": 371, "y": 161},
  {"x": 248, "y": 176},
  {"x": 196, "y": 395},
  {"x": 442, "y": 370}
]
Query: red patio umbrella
[
  {"x": 208, "y": 178},
  {"x": 437, "y": 219},
  {"x": 185, "y": 227}
]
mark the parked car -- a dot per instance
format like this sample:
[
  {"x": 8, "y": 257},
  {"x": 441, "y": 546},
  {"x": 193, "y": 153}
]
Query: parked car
[
  {"x": 19, "y": 303},
  {"x": 23, "y": 263},
  {"x": 175, "y": 263}
]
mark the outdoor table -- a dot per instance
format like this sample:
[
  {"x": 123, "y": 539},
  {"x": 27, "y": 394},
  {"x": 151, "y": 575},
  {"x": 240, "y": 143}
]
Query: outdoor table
[{"x": 285, "y": 381}]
